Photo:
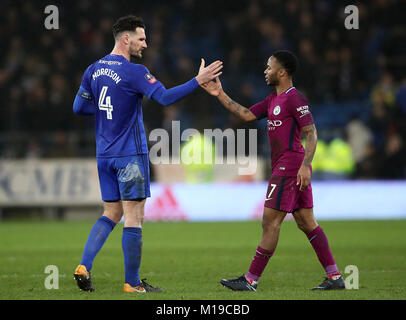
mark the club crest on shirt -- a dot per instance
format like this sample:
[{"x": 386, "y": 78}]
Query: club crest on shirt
[
  {"x": 277, "y": 110},
  {"x": 151, "y": 79}
]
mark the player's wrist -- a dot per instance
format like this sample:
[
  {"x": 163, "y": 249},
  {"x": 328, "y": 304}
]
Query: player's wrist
[
  {"x": 194, "y": 82},
  {"x": 198, "y": 80},
  {"x": 201, "y": 79},
  {"x": 221, "y": 94}
]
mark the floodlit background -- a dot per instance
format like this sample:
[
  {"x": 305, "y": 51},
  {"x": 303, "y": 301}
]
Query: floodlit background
[{"x": 355, "y": 81}]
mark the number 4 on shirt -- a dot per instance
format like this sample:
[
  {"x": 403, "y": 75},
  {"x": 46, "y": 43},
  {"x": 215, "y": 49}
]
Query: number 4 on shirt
[{"x": 106, "y": 106}]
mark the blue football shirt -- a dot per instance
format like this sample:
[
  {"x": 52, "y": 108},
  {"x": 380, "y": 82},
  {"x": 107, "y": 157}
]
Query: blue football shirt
[{"x": 117, "y": 87}]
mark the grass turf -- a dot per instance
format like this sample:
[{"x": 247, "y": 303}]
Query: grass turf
[{"x": 189, "y": 259}]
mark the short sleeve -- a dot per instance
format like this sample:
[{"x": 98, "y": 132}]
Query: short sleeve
[
  {"x": 300, "y": 110},
  {"x": 142, "y": 81},
  {"x": 260, "y": 109}
]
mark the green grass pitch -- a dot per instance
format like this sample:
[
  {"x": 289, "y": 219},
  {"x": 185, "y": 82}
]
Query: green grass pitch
[{"x": 189, "y": 259}]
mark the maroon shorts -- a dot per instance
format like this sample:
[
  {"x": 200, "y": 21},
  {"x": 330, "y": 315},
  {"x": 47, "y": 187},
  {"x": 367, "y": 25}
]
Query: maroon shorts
[{"x": 283, "y": 194}]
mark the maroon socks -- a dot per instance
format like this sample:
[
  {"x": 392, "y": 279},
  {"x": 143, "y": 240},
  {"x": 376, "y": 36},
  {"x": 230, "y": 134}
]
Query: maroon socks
[
  {"x": 319, "y": 242},
  {"x": 258, "y": 264}
]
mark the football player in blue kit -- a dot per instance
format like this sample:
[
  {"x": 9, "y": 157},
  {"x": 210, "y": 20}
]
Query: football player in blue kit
[{"x": 112, "y": 90}]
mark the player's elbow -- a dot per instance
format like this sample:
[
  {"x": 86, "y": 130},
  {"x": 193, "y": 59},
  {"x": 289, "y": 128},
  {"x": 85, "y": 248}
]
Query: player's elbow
[
  {"x": 166, "y": 100},
  {"x": 310, "y": 132},
  {"x": 313, "y": 133},
  {"x": 249, "y": 119},
  {"x": 161, "y": 97},
  {"x": 248, "y": 116},
  {"x": 166, "y": 103},
  {"x": 76, "y": 110},
  {"x": 83, "y": 107}
]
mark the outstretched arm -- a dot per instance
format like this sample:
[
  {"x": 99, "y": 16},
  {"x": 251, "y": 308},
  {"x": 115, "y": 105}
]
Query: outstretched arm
[
  {"x": 215, "y": 89},
  {"x": 169, "y": 96},
  {"x": 240, "y": 111}
]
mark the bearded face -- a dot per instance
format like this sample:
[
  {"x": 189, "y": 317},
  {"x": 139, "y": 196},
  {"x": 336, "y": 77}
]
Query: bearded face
[{"x": 137, "y": 42}]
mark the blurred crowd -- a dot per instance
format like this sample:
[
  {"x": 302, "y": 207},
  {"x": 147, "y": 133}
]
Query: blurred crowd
[{"x": 40, "y": 70}]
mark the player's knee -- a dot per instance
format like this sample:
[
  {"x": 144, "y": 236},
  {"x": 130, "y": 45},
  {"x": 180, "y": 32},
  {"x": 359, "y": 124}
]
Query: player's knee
[
  {"x": 306, "y": 227},
  {"x": 270, "y": 226},
  {"x": 114, "y": 216},
  {"x": 301, "y": 226},
  {"x": 133, "y": 221}
]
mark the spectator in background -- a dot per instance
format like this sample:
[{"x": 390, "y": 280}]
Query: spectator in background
[
  {"x": 33, "y": 150},
  {"x": 40, "y": 69},
  {"x": 333, "y": 160},
  {"x": 378, "y": 120},
  {"x": 306, "y": 75},
  {"x": 359, "y": 138},
  {"x": 369, "y": 168},
  {"x": 200, "y": 149},
  {"x": 384, "y": 91},
  {"x": 401, "y": 96},
  {"x": 393, "y": 166},
  {"x": 346, "y": 75},
  {"x": 328, "y": 77}
]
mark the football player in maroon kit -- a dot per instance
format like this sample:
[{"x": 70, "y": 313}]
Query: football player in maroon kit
[{"x": 289, "y": 189}]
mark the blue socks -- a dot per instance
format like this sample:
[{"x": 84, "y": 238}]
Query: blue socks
[
  {"x": 98, "y": 235},
  {"x": 131, "y": 243},
  {"x": 132, "y": 248}
]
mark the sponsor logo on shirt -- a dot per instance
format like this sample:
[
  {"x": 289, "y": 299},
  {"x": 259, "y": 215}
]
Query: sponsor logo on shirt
[
  {"x": 151, "y": 79},
  {"x": 303, "y": 110},
  {"x": 273, "y": 124},
  {"x": 110, "y": 63},
  {"x": 85, "y": 95}
]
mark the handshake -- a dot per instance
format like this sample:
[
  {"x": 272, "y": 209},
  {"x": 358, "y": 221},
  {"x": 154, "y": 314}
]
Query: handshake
[{"x": 207, "y": 74}]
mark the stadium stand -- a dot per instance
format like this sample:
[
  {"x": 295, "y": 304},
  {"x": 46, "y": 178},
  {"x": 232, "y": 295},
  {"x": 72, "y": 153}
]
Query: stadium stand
[{"x": 353, "y": 78}]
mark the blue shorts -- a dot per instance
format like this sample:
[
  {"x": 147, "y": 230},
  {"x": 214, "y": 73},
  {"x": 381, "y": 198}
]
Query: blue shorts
[{"x": 124, "y": 178}]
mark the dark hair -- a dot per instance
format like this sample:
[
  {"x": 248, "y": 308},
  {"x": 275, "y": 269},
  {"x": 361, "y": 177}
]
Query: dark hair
[
  {"x": 127, "y": 23},
  {"x": 287, "y": 60}
]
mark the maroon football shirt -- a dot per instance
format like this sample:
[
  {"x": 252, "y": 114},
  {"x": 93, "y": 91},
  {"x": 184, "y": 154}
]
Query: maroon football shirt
[{"x": 287, "y": 113}]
